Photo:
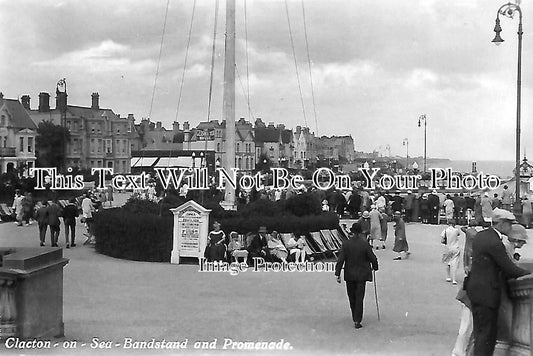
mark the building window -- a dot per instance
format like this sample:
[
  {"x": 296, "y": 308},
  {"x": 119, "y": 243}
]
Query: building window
[
  {"x": 29, "y": 165},
  {"x": 22, "y": 144},
  {"x": 218, "y": 147},
  {"x": 74, "y": 145},
  {"x": 92, "y": 164},
  {"x": 108, "y": 148},
  {"x": 238, "y": 147},
  {"x": 99, "y": 146},
  {"x": 124, "y": 146},
  {"x": 81, "y": 124},
  {"x": 68, "y": 125},
  {"x": 92, "y": 148},
  {"x": 3, "y": 120},
  {"x": 30, "y": 144},
  {"x": 99, "y": 164}
]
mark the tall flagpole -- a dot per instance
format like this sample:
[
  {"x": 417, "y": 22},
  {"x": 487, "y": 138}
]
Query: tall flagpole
[{"x": 229, "y": 102}]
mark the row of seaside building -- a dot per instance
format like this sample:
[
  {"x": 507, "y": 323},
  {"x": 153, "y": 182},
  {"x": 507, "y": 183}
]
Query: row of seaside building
[{"x": 99, "y": 137}]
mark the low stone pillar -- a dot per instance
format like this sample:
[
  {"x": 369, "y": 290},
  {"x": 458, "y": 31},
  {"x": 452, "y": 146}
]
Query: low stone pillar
[
  {"x": 31, "y": 292},
  {"x": 517, "y": 340}
]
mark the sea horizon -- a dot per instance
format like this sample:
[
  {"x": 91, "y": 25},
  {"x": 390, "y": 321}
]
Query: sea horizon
[{"x": 503, "y": 169}]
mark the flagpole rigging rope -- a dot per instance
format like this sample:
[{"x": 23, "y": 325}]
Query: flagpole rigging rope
[
  {"x": 309, "y": 64},
  {"x": 295, "y": 62},
  {"x": 159, "y": 60},
  {"x": 242, "y": 87},
  {"x": 212, "y": 64},
  {"x": 185, "y": 61}
]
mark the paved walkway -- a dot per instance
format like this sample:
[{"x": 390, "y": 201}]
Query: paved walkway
[{"x": 113, "y": 299}]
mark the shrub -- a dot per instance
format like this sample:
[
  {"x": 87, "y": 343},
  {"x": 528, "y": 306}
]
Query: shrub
[{"x": 122, "y": 233}]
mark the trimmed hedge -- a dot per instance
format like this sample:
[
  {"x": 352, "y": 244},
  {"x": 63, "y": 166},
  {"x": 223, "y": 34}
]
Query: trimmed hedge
[{"x": 133, "y": 236}]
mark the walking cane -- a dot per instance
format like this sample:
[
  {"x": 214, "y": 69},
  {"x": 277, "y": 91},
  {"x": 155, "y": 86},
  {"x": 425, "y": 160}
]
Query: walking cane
[{"x": 376, "y": 293}]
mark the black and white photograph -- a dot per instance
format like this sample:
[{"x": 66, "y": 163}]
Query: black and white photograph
[{"x": 285, "y": 177}]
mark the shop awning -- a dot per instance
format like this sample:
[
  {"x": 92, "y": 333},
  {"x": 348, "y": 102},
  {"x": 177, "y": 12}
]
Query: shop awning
[
  {"x": 143, "y": 161},
  {"x": 177, "y": 162}
]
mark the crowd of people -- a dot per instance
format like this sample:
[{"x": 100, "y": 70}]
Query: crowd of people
[{"x": 48, "y": 214}]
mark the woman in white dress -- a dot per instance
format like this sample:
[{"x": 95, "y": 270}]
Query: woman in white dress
[{"x": 450, "y": 236}]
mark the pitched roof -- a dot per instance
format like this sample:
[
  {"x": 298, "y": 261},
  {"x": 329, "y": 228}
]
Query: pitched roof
[
  {"x": 267, "y": 134},
  {"x": 19, "y": 117},
  {"x": 286, "y": 136},
  {"x": 88, "y": 112}
]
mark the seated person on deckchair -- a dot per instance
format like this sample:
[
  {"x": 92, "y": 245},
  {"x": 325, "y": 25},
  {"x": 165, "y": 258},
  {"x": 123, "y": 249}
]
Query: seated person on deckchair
[
  {"x": 277, "y": 249},
  {"x": 235, "y": 248},
  {"x": 255, "y": 247},
  {"x": 292, "y": 245},
  {"x": 297, "y": 247}
]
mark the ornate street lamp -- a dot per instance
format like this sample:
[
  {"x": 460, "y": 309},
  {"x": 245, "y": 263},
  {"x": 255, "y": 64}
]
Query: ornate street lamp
[
  {"x": 420, "y": 119},
  {"x": 508, "y": 10}
]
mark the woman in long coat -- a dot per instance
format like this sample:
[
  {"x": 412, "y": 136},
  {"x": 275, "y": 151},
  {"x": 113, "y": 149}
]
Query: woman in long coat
[
  {"x": 400, "y": 239},
  {"x": 375, "y": 227}
]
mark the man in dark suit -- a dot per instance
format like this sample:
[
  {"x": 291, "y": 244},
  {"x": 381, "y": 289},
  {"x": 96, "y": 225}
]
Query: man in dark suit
[
  {"x": 54, "y": 212},
  {"x": 434, "y": 207},
  {"x": 484, "y": 282},
  {"x": 357, "y": 257}
]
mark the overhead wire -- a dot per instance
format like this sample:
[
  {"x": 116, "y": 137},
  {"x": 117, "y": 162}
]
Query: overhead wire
[
  {"x": 247, "y": 63},
  {"x": 159, "y": 59},
  {"x": 185, "y": 61},
  {"x": 295, "y": 62},
  {"x": 309, "y": 65},
  {"x": 212, "y": 62}
]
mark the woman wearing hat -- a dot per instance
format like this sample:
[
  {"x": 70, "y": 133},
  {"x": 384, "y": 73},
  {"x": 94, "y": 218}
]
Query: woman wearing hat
[
  {"x": 400, "y": 239},
  {"x": 216, "y": 249},
  {"x": 364, "y": 221}
]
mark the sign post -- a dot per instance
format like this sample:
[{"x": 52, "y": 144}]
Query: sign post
[{"x": 191, "y": 227}]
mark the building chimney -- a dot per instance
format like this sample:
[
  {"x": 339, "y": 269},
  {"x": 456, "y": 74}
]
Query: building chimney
[
  {"x": 151, "y": 126},
  {"x": 131, "y": 118},
  {"x": 61, "y": 101},
  {"x": 186, "y": 126},
  {"x": 44, "y": 102},
  {"x": 95, "y": 105},
  {"x": 298, "y": 129},
  {"x": 25, "y": 99},
  {"x": 175, "y": 127},
  {"x": 158, "y": 125},
  {"x": 1, "y": 95}
]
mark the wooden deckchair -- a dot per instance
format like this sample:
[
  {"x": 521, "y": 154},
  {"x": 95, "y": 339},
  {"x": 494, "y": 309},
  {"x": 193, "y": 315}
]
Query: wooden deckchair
[
  {"x": 323, "y": 248},
  {"x": 338, "y": 236},
  {"x": 7, "y": 210},
  {"x": 329, "y": 241}
]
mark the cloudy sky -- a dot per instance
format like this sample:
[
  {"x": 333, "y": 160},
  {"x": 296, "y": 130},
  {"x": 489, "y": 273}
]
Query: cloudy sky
[{"x": 376, "y": 66}]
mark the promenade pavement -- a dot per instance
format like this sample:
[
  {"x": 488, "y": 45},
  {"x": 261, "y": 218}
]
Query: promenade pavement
[{"x": 112, "y": 299}]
